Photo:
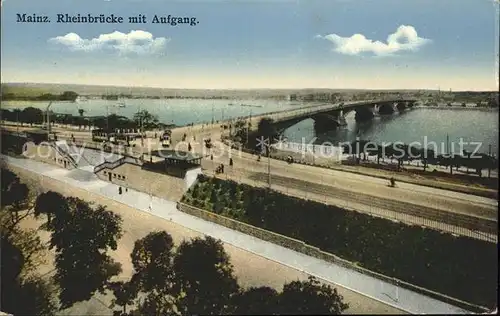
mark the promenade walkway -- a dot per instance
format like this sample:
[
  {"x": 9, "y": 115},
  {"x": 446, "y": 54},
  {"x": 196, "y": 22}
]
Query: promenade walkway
[{"x": 385, "y": 292}]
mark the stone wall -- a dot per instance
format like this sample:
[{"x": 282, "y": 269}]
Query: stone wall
[{"x": 135, "y": 177}]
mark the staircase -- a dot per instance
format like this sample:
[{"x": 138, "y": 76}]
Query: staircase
[
  {"x": 63, "y": 152},
  {"x": 110, "y": 165},
  {"x": 85, "y": 158}
]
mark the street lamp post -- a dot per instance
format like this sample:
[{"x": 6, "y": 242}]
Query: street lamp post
[
  {"x": 212, "y": 114},
  {"x": 269, "y": 166},
  {"x": 107, "y": 117},
  {"x": 249, "y": 123},
  {"x": 140, "y": 126}
]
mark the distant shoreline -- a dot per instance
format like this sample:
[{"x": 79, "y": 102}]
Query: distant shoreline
[{"x": 11, "y": 104}]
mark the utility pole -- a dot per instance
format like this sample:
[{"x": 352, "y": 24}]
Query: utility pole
[
  {"x": 269, "y": 166},
  {"x": 48, "y": 120},
  {"x": 489, "y": 160},
  {"x": 107, "y": 118},
  {"x": 248, "y": 124},
  {"x": 212, "y": 114},
  {"x": 447, "y": 144},
  {"x": 140, "y": 126}
]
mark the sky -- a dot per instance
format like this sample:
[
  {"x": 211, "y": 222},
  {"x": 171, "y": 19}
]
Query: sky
[{"x": 338, "y": 44}]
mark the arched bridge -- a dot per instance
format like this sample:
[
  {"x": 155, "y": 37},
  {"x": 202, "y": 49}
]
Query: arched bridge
[{"x": 330, "y": 116}]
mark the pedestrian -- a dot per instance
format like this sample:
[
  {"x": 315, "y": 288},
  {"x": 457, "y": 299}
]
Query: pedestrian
[
  {"x": 126, "y": 189},
  {"x": 211, "y": 157},
  {"x": 120, "y": 190},
  {"x": 189, "y": 147},
  {"x": 230, "y": 161}
]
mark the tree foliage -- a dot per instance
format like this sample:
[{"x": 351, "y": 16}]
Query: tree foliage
[
  {"x": 81, "y": 236},
  {"x": 196, "y": 278},
  {"x": 204, "y": 277},
  {"x": 22, "y": 293},
  {"x": 145, "y": 119},
  {"x": 51, "y": 204},
  {"x": 256, "y": 301},
  {"x": 310, "y": 298},
  {"x": 14, "y": 197},
  {"x": 152, "y": 261},
  {"x": 14, "y": 193}
]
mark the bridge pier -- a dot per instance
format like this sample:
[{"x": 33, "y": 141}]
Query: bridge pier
[
  {"x": 386, "y": 108},
  {"x": 401, "y": 106}
]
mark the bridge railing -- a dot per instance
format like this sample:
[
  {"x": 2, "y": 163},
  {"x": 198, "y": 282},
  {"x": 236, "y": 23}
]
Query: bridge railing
[
  {"x": 321, "y": 108},
  {"x": 115, "y": 164}
]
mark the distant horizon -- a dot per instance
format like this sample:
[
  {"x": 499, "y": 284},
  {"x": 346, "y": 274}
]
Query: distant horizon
[{"x": 240, "y": 89}]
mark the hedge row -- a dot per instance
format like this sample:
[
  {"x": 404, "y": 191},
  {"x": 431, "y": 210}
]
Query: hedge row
[{"x": 460, "y": 267}]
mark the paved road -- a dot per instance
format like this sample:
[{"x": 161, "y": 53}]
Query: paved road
[
  {"x": 370, "y": 188},
  {"x": 390, "y": 294}
]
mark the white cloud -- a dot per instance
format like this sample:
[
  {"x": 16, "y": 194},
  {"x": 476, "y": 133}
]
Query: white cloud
[
  {"x": 135, "y": 42},
  {"x": 404, "y": 39}
]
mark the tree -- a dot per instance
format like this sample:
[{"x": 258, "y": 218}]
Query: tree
[
  {"x": 152, "y": 261},
  {"x": 19, "y": 295},
  {"x": 144, "y": 119},
  {"x": 310, "y": 297},
  {"x": 204, "y": 280},
  {"x": 124, "y": 295},
  {"x": 256, "y": 301},
  {"x": 14, "y": 194},
  {"x": 32, "y": 115},
  {"x": 68, "y": 96},
  {"x": 35, "y": 298},
  {"x": 83, "y": 260},
  {"x": 240, "y": 130},
  {"x": 51, "y": 204}
]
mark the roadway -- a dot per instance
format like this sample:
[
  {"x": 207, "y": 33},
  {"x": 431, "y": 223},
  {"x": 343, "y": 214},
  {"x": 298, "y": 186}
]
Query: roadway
[
  {"x": 375, "y": 289},
  {"x": 354, "y": 191},
  {"x": 360, "y": 192}
]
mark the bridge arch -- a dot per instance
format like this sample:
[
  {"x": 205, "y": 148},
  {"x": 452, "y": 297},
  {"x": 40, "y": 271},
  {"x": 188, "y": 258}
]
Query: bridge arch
[{"x": 386, "y": 108}]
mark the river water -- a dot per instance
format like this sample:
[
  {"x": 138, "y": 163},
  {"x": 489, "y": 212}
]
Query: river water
[{"x": 421, "y": 125}]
